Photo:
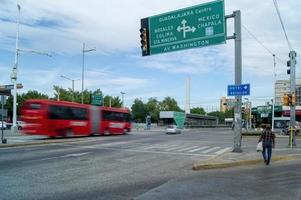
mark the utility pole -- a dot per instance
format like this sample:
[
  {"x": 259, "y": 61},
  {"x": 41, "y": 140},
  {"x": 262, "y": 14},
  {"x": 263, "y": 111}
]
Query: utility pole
[
  {"x": 83, "y": 66},
  {"x": 292, "y": 62},
  {"x": 238, "y": 77}
]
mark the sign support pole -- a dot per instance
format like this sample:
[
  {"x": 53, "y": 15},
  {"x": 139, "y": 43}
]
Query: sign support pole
[{"x": 238, "y": 77}]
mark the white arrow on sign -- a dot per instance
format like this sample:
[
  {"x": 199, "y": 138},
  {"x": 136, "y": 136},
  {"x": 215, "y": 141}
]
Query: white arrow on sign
[{"x": 185, "y": 28}]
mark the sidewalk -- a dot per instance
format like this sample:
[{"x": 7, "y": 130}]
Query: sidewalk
[{"x": 187, "y": 187}]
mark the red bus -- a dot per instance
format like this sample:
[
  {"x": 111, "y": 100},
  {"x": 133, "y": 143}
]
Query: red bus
[{"x": 60, "y": 118}]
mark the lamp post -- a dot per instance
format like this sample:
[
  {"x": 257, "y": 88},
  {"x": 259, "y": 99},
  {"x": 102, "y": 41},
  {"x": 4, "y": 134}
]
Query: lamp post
[
  {"x": 14, "y": 73},
  {"x": 83, "y": 65},
  {"x": 122, "y": 95},
  {"x": 274, "y": 96},
  {"x": 72, "y": 84}
]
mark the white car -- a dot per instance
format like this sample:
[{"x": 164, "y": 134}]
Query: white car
[
  {"x": 172, "y": 129},
  {"x": 4, "y": 125},
  {"x": 20, "y": 125}
]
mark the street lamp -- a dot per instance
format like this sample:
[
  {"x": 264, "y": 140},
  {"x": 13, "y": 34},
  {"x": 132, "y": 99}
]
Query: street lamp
[
  {"x": 14, "y": 73},
  {"x": 274, "y": 96},
  {"x": 84, "y": 51},
  {"x": 122, "y": 94},
  {"x": 72, "y": 84}
]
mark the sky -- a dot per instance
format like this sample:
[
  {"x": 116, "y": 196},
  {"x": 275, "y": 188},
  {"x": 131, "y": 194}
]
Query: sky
[{"x": 112, "y": 27}]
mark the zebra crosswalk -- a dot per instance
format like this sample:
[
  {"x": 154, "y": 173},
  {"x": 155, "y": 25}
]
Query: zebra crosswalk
[{"x": 181, "y": 149}]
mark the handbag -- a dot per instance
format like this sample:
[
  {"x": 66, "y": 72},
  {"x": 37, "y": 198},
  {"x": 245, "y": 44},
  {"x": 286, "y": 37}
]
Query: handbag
[{"x": 259, "y": 146}]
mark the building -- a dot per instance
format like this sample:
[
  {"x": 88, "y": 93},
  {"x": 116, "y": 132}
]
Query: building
[
  {"x": 282, "y": 87},
  {"x": 226, "y": 104},
  {"x": 187, "y": 120}
]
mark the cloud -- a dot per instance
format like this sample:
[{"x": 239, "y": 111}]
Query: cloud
[{"x": 112, "y": 27}]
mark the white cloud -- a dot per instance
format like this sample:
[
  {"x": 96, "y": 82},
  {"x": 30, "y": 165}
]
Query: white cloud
[{"x": 112, "y": 27}]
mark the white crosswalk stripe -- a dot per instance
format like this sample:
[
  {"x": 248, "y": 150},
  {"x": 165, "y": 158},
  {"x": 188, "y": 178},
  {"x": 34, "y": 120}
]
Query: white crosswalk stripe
[
  {"x": 210, "y": 150},
  {"x": 187, "y": 148},
  {"x": 170, "y": 148},
  {"x": 223, "y": 151},
  {"x": 198, "y": 149}
]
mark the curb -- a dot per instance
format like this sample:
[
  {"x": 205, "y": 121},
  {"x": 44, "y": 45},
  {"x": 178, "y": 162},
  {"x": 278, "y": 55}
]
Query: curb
[{"x": 207, "y": 166}]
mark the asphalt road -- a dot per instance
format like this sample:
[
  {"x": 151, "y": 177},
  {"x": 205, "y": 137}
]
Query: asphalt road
[{"x": 112, "y": 167}]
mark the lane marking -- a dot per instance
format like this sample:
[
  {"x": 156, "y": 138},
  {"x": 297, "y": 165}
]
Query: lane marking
[{"x": 64, "y": 156}]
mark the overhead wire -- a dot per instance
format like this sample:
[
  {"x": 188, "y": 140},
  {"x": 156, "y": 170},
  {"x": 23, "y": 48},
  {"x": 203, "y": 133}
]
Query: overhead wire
[
  {"x": 282, "y": 24},
  {"x": 259, "y": 42}
]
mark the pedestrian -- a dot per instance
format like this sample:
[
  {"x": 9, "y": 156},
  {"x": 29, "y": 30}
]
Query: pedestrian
[{"x": 268, "y": 142}]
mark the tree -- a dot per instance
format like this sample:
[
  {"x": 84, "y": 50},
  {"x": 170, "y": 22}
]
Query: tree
[
  {"x": 229, "y": 113},
  {"x": 169, "y": 104},
  {"x": 66, "y": 95},
  {"x": 152, "y": 108},
  {"x": 21, "y": 98},
  {"x": 138, "y": 111},
  {"x": 198, "y": 110},
  {"x": 219, "y": 115}
]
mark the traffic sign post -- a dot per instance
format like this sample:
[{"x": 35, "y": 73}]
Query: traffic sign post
[
  {"x": 192, "y": 27},
  {"x": 96, "y": 99}
]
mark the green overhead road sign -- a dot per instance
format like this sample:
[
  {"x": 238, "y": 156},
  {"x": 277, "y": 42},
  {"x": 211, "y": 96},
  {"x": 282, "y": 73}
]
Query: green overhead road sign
[
  {"x": 97, "y": 99},
  {"x": 192, "y": 27},
  {"x": 179, "y": 118}
]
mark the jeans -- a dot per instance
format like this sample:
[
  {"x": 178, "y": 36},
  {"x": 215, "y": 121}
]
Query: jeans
[{"x": 267, "y": 151}]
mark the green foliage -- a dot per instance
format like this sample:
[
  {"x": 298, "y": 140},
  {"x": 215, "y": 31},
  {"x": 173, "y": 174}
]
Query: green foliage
[
  {"x": 138, "y": 111},
  {"x": 112, "y": 101},
  {"x": 21, "y": 98},
  {"x": 229, "y": 113},
  {"x": 219, "y": 115},
  {"x": 169, "y": 104},
  {"x": 152, "y": 108},
  {"x": 198, "y": 110}
]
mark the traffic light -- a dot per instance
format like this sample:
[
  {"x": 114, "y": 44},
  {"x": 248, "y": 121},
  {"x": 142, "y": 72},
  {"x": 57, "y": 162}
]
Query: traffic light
[
  {"x": 289, "y": 99},
  {"x": 243, "y": 110},
  {"x": 144, "y": 36},
  {"x": 285, "y": 100},
  {"x": 293, "y": 99},
  {"x": 288, "y": 63}
]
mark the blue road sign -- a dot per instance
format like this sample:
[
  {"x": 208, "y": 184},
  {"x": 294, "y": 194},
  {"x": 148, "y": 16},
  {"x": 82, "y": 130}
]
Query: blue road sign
[{"x": 239, "y": 90}]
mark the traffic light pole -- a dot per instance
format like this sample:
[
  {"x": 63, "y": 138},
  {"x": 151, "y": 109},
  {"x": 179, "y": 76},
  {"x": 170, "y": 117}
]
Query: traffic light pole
[
  {"x": 238, "y": 77},
  {"x": 292, "y": 56}
]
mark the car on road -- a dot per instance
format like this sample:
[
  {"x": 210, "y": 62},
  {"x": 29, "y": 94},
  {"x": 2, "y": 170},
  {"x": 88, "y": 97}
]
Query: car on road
[
  {"x": 4, "y": 125},
  {"x": 173, "y": 129},
  {"x": 20, "y": 125}
]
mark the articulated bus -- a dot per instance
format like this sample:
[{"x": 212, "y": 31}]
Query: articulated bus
[{"x": 60, "y": 118}]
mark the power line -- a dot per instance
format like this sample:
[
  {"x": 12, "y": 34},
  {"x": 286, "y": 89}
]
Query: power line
[
  {"x": 282, "y": 25},
  {"x": 259, "y": 42}
]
